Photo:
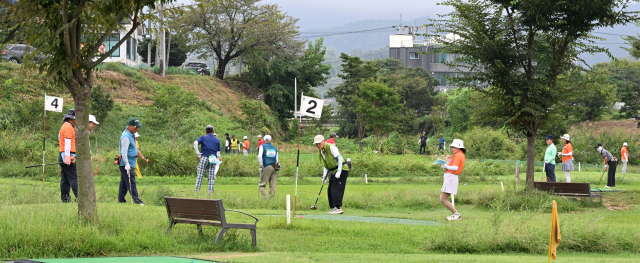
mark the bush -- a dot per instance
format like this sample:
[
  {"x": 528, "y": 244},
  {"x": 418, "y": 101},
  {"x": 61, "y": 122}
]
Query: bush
[{"x": 488, "y": 144}]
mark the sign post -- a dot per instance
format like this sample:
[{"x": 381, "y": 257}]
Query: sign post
[{"x": 50, "y": 104}]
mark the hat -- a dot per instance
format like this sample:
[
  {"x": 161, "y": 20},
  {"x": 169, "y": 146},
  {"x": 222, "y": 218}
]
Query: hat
[
  {"x": 71, "y": 115},
  {"x": 233, "y": 136},
  {"x": 267, "y": 138},
  {"x": 441, "y": 134},
  {"x": 566, "y": 137},
  {"x": 625, "y": 144},
  {"x": 136, "y": 134},
  {"x": 245, "y": 138},
  {"x": 333, "y": 135},
  {"x": 215, "y": 134},
  {"x": 135, "y": 123},
  {"x": 259, "y": 136},
  {"x": 226, "y": 134},
  {"x": 457, "y": 143},
  {"x": 318, "y": 139},
  {"x": 93, "y": 119},
  {"x": 423, "y": 132},
  {"x": 549, "y": 137},
  {"x": 598, "y": 145}
]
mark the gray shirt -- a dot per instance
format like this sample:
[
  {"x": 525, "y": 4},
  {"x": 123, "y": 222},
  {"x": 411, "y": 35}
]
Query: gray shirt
[{"x": 607, "y": 154}]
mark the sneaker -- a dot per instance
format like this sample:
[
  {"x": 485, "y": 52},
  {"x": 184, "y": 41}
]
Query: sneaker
[
  {"x": 332, "y": 211},
  {"x": 336, "y": 211},
  {"x": 139, "y": 202},
  {"x": 607, "y": 186},
  {"x": 455, "y": 216}
]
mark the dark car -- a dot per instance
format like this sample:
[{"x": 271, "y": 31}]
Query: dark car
[
  {"x": 198, "y": 67},
  {"x": 16, "y": 53}
]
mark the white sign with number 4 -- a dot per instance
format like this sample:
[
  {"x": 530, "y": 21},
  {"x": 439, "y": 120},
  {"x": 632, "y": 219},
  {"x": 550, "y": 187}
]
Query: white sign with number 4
[
  {"x": 52, "y": 104},
  {"x": 311, "y": 107}
]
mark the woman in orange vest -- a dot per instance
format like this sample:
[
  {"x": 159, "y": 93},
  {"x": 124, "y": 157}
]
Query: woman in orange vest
[
  {"x": 624, "y": 155},
  {"x": 452, "y": 170},
  {"x": 567, "y": 157}
]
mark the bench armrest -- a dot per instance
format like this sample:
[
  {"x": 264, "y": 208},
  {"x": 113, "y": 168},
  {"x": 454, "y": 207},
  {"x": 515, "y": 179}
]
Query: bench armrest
[{"x": 228, "y": 210}]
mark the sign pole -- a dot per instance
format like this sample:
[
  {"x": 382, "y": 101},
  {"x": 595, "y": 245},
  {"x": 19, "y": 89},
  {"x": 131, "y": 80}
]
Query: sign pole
[
  {"x": 44, "y": 132},
  {"x": 295, "y": 199}
]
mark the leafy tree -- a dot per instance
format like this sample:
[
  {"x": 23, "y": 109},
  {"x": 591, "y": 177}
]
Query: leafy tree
[
  {"x": 634, "y": 42},
  {"x": 101, "y": 103},
  {"x": 71, "y": 33},
  {"x": 228, "y": 29},
  {"x": 459, "y": 109},
  {"x": 379, "y": 107},
  {"x": 172, "y": 105},
  {"x": 256, "y": 116},
  {"x": 592, "y": 96},
  {"x": 179, "y": 50},
  {"x": 415, "y": 84},
  {"x": 519, "y": 48},
  {"x": 625, "y": 76}
]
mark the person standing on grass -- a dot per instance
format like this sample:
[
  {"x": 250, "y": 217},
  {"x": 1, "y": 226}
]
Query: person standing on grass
[
  {"x": 624, "y": 155},
  {"x": 138, "y": 173},
  {"x": 227, "y": 143},
  {"x": 332, "y": 162},
  {"x": 567, "y": 157},
  {"x": 209, "y": 158},
  {"x": 452, "y": 170},
  {"x": 129, "y": 153},
  {"x": 67, "y": 141},
  {"x": 423, "y": 143},
  {"x": 92, "y": 125},
  {"x": 332, "y": 138},
  {"x": 245, "y": 146},
  {"x": 550, "y": 160},
  {"x": 442, "y": 142},
  {"x": 611, "y": 162},
  {"x": 269, "y": 166},
  {"x": 234, "y": 144},
  {"x": 260, "y": 142}
]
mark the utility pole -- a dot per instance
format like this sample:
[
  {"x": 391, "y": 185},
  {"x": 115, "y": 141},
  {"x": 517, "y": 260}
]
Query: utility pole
[
  {"x": 149, "y": 45},
  {"x": 162, "y": 43}
]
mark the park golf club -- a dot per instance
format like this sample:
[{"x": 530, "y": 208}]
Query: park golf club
[
  {"x": 40, "y": 165},
  {"x": 602, "y": 176},
  {"x": 314, "y": 207}
]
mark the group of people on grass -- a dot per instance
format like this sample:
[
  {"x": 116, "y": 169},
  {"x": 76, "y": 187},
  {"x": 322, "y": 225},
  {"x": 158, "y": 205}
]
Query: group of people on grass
[
  {"x": 610, "y": 161},
  {"x": 423, "y": 144},
  {"x": 233, "y": 146}
]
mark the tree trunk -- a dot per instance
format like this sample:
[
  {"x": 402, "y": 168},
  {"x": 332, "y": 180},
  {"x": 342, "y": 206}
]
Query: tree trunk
[
  {"x": 222, "y": 66},
  {"x": 87, "y": 207},
  {"x": 168, "y": 48},
  {"x": 531, "y": 158}
]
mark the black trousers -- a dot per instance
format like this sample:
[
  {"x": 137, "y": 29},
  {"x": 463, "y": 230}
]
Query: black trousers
[
  {"x": 611, "y": 174},
  {"x": 124, "y": 185},
  {"x": 335, "y": 190},
  {"x": 68, "y": 179},
  {"x": 550, "y": 170},
  {"x": 423, "y": 148}
]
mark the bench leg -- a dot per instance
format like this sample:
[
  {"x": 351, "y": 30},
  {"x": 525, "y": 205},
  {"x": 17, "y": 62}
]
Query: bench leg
[
  {"x": 171, "y": 224},
  {"x": 253, "y": 236},
  {"x": 222, "y": 231},
  {"x": 200, "y": 229}
]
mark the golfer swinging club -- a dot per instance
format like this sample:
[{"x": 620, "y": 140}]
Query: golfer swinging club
[
  {"x": 129, "y": 154},
  {"x": 333, "y": 163},
  {"x": 452, "y": 170}
]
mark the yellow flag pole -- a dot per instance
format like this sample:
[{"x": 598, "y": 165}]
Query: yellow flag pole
[{"x": 551, "y": 231}]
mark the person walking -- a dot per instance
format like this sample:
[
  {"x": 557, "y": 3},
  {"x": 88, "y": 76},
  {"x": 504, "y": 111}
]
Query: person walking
[
  {"x": 129, "y": 157},
  {"x": 423, "y": 143},
  {"x": 260, "y": 142},
  {"x": 227, "y": 143},
  {"x": 452, "y": 170},
  {"x": 332, "y": 138},
  {"x": 138, "y": 173},
  {"x": 234, "y": 144},
  {"x": 550, "y": 160},
  {"x": 269, "y": 166},
  {"x": 611, "y": 162},
  {"x": 336, "y": 169},
  {"x": 624, "y": 155},
  {"x": 67, "y": 141},
  {"x": 245, "y": 146},
  {"x": 441, "y": 145},
  {"x": 567, "y": 157},
  {"x": 209, "y": 157}
]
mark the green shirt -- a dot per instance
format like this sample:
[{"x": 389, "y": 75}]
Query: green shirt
[{"x": 550, "y": 155}]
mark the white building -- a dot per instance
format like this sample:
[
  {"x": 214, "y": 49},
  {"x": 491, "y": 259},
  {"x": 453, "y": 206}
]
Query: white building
[{"x": 127, "y": 53}]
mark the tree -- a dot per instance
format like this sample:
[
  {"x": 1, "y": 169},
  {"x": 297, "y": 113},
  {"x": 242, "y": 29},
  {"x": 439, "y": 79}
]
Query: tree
[
  {"x": 459, "y": 109},
  {"x": 227, "y": 29},
  {"x": 625, "y": 76},
  {"x": 256, "y": 116},
  {"x": 592, "y": 97},
  {"x": 71, "y": 32},
  {"x": 179, "y": 50},
  {"x": 519, "y": 48},
  {"x": 634, "y": 42},
  {"x": 172, "y": 105},
  {"x": 378, "y": 106}
]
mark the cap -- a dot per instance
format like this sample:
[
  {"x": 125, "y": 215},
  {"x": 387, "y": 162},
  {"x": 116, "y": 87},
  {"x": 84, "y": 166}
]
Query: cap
[
  {"x": 259, "y": 136},
  {"x": 93, "y": 119},
  {"x": 598, "y": 145},
  {"x": 333, "y": 135},
  {"x": 226, "y": 134},
  {"x": 566, "y": 137},
  {"x": 441, "y": 134},
  {"x": 71, "y": 114},
  {"x": 245, "y": 138},
  {"x": 318, "y": 139},
  {"x": 548, "y": 137},
  {"x": 136, "y": 134},
  {"x": 625, "y": 144},
  {"x": 267, "y": 138},
  {"x": 135, "y": 122},
  {"x": 215, "y": 134},
  {"x": 423, "y": 132}
]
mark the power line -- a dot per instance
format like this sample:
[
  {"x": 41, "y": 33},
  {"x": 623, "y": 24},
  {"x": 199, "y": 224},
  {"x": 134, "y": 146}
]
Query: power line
[{"x": 347, "y": 32}]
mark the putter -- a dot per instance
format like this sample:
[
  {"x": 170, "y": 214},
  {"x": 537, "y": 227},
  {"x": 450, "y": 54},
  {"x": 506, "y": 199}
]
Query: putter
[
  {"x": 129, "y": 175},
  {"x": 314, "y": 207},
  {"x": 601, "y": 177}
]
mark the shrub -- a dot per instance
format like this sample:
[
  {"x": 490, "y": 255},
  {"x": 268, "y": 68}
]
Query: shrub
[{"x": 485, "y": 143}]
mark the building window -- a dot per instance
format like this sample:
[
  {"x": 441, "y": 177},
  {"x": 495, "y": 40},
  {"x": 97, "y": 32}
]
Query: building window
[
  {"x": 112, "y": 41},
  {"x": 132, "y": 44},
  {"x": 442, "y": 58},
  {"x": 442, "y": 78},
  {"x": 414, "y": 55}
]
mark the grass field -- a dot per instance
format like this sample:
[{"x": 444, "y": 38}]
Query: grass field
[{"x": 510, "y": 226}]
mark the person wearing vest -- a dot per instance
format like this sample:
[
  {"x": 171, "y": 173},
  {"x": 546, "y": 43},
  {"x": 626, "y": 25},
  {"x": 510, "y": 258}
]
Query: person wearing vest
[
  {"x": 269, "y": 166},
  {"x": 423, "y": 143},
  {"x": 209, "y": 158},
  {"x": 609, "y": 162},
  {"x": 452, "y": 170},
  {"x": 336, "y": 169},
  {"x": 234, "y": 144},
  {"x": 624, "y": 155},
  {"x": 245, "y": 146},
  {"x": 129, "y": 154},
  {"x": 67, "y": 141},
  {"x": 442, "y": 143},
  {"x": 332, "y": 138},
  {"x": 227, "y": 143}
]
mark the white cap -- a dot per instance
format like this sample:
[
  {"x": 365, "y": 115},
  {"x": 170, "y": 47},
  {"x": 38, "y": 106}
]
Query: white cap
[
  {"x": 93, "y": 119},
  {"x": 625, "y": 144},
  {"x": 215, "y": 134},
  {"x": 566, "y": 137},
  {"x": 245, "y": 138},
  {"x": 318, "y": 139},
  {"x": 136, "y": 134},
  {"x": 457, "y": 143},
  {"x": 267, "y": 138},
  {"x": 259, "y": 136}
]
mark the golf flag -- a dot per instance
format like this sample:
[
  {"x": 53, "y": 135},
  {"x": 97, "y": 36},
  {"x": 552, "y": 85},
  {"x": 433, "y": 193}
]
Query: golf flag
[
  {"x": 554, "y": 239},
  {"x": 311, "y": 107},
  {"x": 52, "y": 104}
]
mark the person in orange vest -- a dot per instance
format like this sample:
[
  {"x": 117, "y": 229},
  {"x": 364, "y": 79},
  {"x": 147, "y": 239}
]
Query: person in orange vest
[
  {"x": 625, "y": 157},
  {"x": 453, "y": 169},
  {"x": 67, "y": 141},
  {"x": 245, "y": 145},
  {"x": 567, "y": 157},
  {"x": 332, "y": 138}
]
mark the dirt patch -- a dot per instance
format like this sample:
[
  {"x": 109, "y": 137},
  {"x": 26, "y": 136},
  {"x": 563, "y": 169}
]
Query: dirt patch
[
  {"x": 214, "y": 91},
  {"x": 613, "y": 205},
  {"x": 122, "y": 89},
  {"x": 626, "y": 126}
]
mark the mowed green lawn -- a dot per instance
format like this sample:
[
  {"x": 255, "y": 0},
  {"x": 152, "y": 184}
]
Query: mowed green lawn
[{"x": 34, "y": 224}]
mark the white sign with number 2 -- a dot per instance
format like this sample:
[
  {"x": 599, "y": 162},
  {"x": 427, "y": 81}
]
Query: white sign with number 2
[
  {"x": 52, "y": 104},
  {"x": 311, "y": 107}
]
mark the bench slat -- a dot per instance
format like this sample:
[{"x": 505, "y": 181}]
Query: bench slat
[
  {"x": 192, "y": 211},
  {"x": 201, "y": 204},
  {"x": 197, "y": 222}
]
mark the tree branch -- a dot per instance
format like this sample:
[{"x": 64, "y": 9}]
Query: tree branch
[{"x": 134, "y": 25}]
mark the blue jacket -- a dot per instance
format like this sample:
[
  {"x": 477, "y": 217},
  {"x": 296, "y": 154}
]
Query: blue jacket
[
  {"x": 132, "y": 151},
  {"x": 269, "y": 153}
]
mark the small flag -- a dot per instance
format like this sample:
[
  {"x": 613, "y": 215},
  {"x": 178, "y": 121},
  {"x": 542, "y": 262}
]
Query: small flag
[
  {"x": 554, "y": 239},
  {"x": 53, "y": 104}
]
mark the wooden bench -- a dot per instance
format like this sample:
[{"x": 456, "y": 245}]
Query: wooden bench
[
  {"x": 568, "y": 189},
  {"x": 203, "y": 212}
]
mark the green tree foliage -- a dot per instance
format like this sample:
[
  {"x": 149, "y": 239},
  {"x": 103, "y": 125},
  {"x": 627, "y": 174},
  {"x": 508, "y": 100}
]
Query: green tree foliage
[
  {"x": 172, "y": 106},
  {"x": 379, "y": 107},
  {"x": 592, "y": 95},
  {"x": 634, "y": 42},
  {"x": 459, "y": 109},
  {"x": 625, "y": 76},
  {"x": 71, "y": 33},
  {"x": 179, "y": 50},
  {"x": 489, "y": 144},
  {"x": 256, "y": 116},
  {"x": 101, "y": 103},
  {"x": 519, "y": 48},
  {"x": 415, "y": 84},
  {"x": 228, "y": 29}
]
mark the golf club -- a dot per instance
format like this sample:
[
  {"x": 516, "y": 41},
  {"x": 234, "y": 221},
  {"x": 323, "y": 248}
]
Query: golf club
[
  {"x": 40, "y": 165},
  {"x": 129, "y": 175},
  {"x": 314, "y": 207},
  {"x": 601, "y": 177},
  {"x": 259, "y": 181}
]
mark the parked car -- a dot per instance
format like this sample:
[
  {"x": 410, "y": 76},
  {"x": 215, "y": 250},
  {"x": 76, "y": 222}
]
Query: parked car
[
  {"x": 198, "y": 67},
  {"x": 15, "y": 53}
]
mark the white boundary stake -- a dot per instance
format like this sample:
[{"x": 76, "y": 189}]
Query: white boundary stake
[
  {"x": 453, "y": 201},
  {"x": 502, "y": 185},
  {"x": 578, "y": 166},
  {"x": 366, "y": 181},
  {"x": 288, "y": 210}
]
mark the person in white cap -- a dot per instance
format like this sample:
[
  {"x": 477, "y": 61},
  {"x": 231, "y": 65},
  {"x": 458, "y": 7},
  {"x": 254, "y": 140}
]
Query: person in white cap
[
  {"x": 567, "y": 157},
  {"x": 245, "y": 148},
  {"x": 269, "y": 166},
  {"x": 92, "y": 122},
  {"x": 624, "y": 155},
  {"x": 453, "y": 169},
  {"x": 332, "y": 162},
  {"x": 209, "y": 158}
]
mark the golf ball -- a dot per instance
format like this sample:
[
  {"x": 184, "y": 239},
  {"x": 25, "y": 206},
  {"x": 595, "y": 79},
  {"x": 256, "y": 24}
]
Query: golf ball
[
  {"x": 300, "y": 216},
  {"x": 465, "y": 184}
]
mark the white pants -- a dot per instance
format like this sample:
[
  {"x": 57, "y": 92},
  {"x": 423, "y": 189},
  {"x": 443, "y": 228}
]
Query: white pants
[
  {"x": 624, "y": 166},
  {"x": 246, "y": 153}
]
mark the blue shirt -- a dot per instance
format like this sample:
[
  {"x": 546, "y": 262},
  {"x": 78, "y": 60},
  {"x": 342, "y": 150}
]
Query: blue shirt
[
  {"x": 132, "y": 151},
  {"x": 442, "y": 140},
  {"x": 210, "y": 145},
  {"x": 269, "y": 154}
]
